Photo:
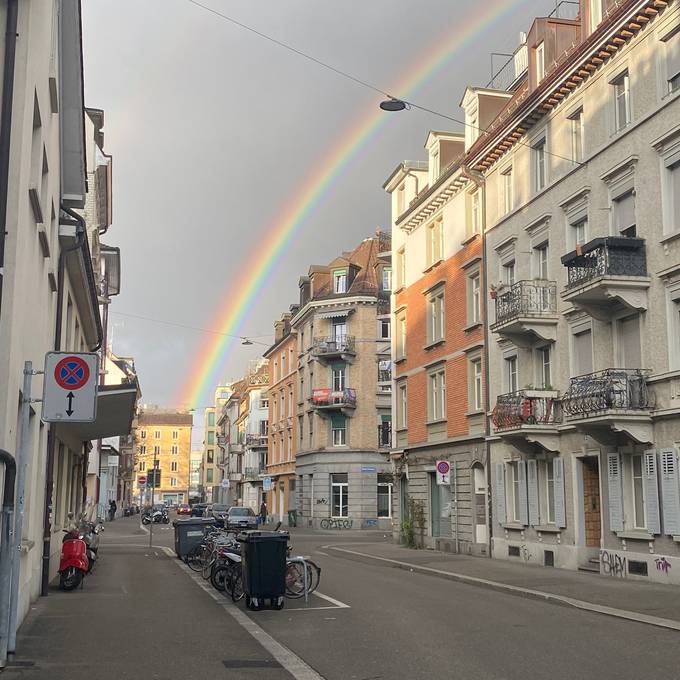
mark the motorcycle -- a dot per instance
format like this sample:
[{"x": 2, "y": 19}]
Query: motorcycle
[
  {"x": 89, "y": 532},
  {"x": 157, "y": 517},
  {"x": 73, "y": 564}
]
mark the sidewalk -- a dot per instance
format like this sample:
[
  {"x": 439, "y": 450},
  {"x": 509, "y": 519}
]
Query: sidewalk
[
  {"x": 138, "y": 616},
  {"x": 652, "y": 603}
]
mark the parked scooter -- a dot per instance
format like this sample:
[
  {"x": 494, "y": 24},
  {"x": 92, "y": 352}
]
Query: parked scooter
[
  {"x": 157, "y": 516},
  {"x": 89, "y": 532},
  {"x": 73, "y": 564}
]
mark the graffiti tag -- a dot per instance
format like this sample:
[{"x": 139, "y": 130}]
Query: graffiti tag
[
  {"x": 335, "y": 523},
  {"x": 524, "y": 552},
  {"x": 662, "y": 564},
  {"x": 322, "y": 501},
  {"x": 613, "y": 564}
]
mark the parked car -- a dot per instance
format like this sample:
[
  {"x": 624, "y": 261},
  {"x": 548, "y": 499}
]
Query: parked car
[
  {"x": 183, "y": 509},
  {"x": 218, "y": 511},
  {"x": 238, "y": 518},
  {"x": 198, "y": 509}
]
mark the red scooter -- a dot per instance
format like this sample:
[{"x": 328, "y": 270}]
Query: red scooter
[{"x": 74, "y": 563}]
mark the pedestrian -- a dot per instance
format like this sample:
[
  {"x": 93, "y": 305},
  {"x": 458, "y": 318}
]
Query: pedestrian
[
  {"x": 112, "y": 510},
  {"x": 263, "y": 512}
]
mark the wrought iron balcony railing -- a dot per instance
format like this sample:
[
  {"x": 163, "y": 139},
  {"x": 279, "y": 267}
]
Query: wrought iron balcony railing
[
  {"x": 384, "y": 375},
  {"x": 606, "y": 256},
  {"x": 384, "y": 435},
  {"x": 253, "y": 473},
  {"x": 257, "y": 439},
  {"x": 341, "y": 344},
  {"x": 526, "y": 407},
  {"x": 614, "y": 389},
  {"x": 526, "y": 299},
  {"x": 327, "y": 398}
]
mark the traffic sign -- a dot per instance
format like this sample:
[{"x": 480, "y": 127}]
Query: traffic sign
[
  {"x": 225, "y": 483},
  {"x": 70, "y": 387},
  {"x": 141, "y": 480},
  {"x": 267, "y": 484},
  {"x": 443, "y": 472},
  {"x": 153, "y": 478}
]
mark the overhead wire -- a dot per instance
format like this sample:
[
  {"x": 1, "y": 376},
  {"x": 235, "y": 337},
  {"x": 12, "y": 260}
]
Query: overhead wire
[{"x": 357, "y": 80}]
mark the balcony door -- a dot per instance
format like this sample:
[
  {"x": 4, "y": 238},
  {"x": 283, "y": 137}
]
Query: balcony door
[
  {"x": 582, "y": 352},
  {"x": 629, "y": 350},
  {"x": 590, "y": 469},
  {"x": 339, "y": 331}
]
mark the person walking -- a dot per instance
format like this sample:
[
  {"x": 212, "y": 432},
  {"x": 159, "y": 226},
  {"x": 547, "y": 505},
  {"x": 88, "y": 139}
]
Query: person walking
[
  {"x": 263, "y": 512},
  {"x": 113, "y": 507}
]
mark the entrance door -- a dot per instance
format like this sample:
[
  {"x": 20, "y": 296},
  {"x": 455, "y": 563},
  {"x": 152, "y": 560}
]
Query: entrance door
[
  {"x": 591, "y": 501},
  {"x": 440, "y": 507},
  {"x": 480, "y": 504}
]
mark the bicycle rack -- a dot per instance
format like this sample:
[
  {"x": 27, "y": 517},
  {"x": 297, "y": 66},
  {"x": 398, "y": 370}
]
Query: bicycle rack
[{"x": 303, "y": 562}]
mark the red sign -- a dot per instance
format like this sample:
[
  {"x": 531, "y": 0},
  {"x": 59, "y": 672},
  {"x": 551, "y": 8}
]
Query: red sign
[
  {"x": 141, "y": 481},
  {"x": 71, "y": 373}
]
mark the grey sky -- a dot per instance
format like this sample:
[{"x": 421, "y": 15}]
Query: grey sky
[{"x": 211, "y": 128}]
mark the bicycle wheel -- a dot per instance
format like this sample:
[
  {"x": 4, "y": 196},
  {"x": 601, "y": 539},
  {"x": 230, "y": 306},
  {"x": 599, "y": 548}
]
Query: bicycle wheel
[
  {"x": 194, "y": 559},
  {"x": 313, "y": 575},
  {"x": 220, "y": 577},
  {"x": 295, "y": 580},
  {"x": 236, "y": 590},
  {"x": 208, "y": 566}
]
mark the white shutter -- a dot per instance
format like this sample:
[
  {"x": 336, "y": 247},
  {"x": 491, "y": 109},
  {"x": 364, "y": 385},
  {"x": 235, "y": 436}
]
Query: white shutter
[
  {"x": 500, "y": 493},
  {"x": 523, "y": 504},
  {"x": 651, "y": 482},
  {"x": 558, "y": 482},
  {"x": 532, "y": 491},
  {"x": 615, "y": 492},
  {"x": 670, "y": 492}
]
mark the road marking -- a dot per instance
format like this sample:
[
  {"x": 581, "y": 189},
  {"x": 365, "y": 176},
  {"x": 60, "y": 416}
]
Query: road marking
[
  {"x": 318, "y": 552},
  {"x": 328, "y": 598},
  {"x": 285, "y": 656}
]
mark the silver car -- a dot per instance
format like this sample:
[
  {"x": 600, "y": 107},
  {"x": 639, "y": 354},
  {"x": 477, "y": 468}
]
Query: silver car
[{"x": 239, "y": 518}]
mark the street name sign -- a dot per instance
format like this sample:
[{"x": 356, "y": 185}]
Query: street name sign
[
  {"x": 70, "y": 387},
  {"x": 443, "y": 468}
]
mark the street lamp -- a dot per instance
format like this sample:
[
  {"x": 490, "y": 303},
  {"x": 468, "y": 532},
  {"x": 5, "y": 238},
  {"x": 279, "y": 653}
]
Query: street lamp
[{"x": 393, "y": 104}]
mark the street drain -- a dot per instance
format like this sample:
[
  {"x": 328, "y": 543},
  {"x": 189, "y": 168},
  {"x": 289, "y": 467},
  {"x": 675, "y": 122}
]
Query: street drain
[{"x": 252, "y": 663}]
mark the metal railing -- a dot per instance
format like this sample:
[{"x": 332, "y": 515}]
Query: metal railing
[
  {"x": 526, "y": 407},
  {"x": 384, "y": 435},
  {"x": 257, "y": 439},
  {"x": 326, "y": 397},
  {"x": 614, "y": 389},
  {"x": 606, "y": 256},
  {"x": 252, "y": 474},
  {"x": 526, "y": 298},
  {"x": 333, "y": 345},
  {"x": 384, "y": 375}
]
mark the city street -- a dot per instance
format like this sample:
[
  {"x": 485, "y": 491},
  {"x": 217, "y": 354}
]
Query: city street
[{"x": 142, "y": 615}]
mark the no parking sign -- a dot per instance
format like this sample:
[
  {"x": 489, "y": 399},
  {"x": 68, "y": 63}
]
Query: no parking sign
[{"x": 443, "y": 472}]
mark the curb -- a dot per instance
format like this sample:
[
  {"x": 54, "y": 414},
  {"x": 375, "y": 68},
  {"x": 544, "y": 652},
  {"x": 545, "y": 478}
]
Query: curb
[{"x": 519, "y": 591}]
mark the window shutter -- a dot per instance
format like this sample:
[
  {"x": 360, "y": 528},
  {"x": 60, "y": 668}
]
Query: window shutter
[
  {"x": 615, "y": 492},
  {"x": 522, "y": 472},
  {"x": 558, "y": 481},
  {"x": 500, "y": 493},
  {"x": 532, "y": 490},
  {"x": 651, "y": 482},
  {"x": 670, "y": 492}
]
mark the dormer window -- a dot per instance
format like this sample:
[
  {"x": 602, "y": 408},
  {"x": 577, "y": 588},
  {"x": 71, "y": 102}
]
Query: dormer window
[
  {"x": 539, "y": 61},
  {"x": 340, "y": 281}
]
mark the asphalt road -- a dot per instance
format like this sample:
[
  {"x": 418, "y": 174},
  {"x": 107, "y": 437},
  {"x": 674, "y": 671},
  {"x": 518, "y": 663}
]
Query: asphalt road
[{"x": 392, "y": 624}]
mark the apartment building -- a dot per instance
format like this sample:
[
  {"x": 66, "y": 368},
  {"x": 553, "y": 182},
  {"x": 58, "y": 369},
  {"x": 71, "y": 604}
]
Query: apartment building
[
  {"x": 582, "y": 171},
  {"x": 163, "y": 441},
  {"x": 282, "y": 357},
  {"x": 438, "y": 346},
  {"x": 211, "y": 472},
  {"x": 232, "y": 447},
  {"x": 343, "y": 334}
]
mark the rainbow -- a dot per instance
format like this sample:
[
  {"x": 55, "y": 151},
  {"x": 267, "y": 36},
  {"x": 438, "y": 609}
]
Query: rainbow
[{"x": 203, "y": 375}]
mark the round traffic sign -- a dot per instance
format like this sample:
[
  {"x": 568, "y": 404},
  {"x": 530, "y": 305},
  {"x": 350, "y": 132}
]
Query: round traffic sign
[
  {"x": 71, "y": 373},
  {"x": 443, "y": 467},
  {"x": 141, "y": 480}
]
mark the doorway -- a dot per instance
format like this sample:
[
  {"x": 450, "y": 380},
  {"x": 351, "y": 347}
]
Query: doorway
[
  {"x": 480, "y": 503},
  {"x": 440, "y": 507},
  {"x": 591, "y": 501}
]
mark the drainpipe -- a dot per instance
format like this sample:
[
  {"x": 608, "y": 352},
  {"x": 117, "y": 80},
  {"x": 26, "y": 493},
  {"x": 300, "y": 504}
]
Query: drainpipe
[
  {"x": 479, "y": 179},
  {"x": 6, "y": 550},
  {"x": 6, "y": 126}
]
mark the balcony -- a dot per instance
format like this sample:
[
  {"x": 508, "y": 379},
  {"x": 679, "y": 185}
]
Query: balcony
[
  {"x": 340, "y": 347},
  {"x": 235, "y": 476},
  {"x": 385, "y": 435},
  {"x": 252, "y": 474},
  {"x": 257, "y": 440},
  {"x": 527, "y": 313},
  {"x": 606, "y": 276},
  {"x": 529, "y": 416},
  {"x": 616, "y": 400},
  {"x": 334, "y": 400}
]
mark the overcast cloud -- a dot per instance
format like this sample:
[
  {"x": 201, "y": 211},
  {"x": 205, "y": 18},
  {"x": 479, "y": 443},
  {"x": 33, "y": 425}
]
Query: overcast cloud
[{"x": 212, "y": 128}]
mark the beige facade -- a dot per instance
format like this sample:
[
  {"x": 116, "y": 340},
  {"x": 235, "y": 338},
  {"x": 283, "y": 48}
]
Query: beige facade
[{"x": 211, "y": 471}]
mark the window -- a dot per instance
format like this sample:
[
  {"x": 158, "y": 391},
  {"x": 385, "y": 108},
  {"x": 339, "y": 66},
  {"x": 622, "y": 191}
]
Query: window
[
  {"x": 508, "y": 273},
  {"x": 477, "y": 387},
  {"x": 621, "y": 88},
  {"x": 142, "y": 434},
  {"x": 401, "y": 199},
  {"x": 540, "y": 175},
  {"x": 672, "y": 45},
  {"x": 540, "y": 263},
  {"x": 339, "y": 488},
  {"x": 401, "y": 336},
  {"x": 511, "y": 378},
  {"x": 576, "y": 131},
  {"x": 301, "y": 430},
  {"x": 384, "y": 495},
  {"x": 338, "y": 377},
  {"x": 435, "y": 317},
  {"x": 340, "y": 330},
  {"x": 582, "y": 352},
  {"x": 290, "y": 401},
  {"x": 211, "y": 419},
  {"x": 173, "y": 466},
  {"x": 174, "y": 449},
  {"x": 142, "y": 466},
  {"x": 384, "y": 326},
  {"x": 211, "y": 437},
  {"x": 263, "y": 428},
  {"x": 340, "y": 281},
  {"x": 579, "y": 232},
  {"x": 157, "y": 434},
  {"x": 156, "y": 450},
  {"x": 436, "y": 395},
  {"x": 311, "y": 382},
  {"x": 475, "y": 213},
  {"x": 264, "y": 403},
  {"x": 209, "y": 475},
  {"x": 311, "y": 429},
  {"x": 515, "y": 481},
  {"x": 210, "y": 456},
  {"x": 175, "y": 433},
  {"x": 474, "y": 286},
  {"x": 435, "y": 165},
  {"x": 623, "y": 215},
  {"x": 142, "y": 450},
  {"x": 638, "y": 493},
  {"x": 672, "y": 203},
  {"x": 384, "y": 374},
  {"x": 387, "y": 278},
  {"x": 539, "y": 60},
  {"x": 173, "y": 481},
  {"x": 435, "y": 246},
  {"x": 506, "y": 178},
  {"x": 401, "y": 268},
  {"x": 544, "y": 369},
  {"x": 339, "y": 431},
  {"x": 402, "y": 406},
  {"x": 550, "y": 490},
  {"x": 628, "y": 341}
]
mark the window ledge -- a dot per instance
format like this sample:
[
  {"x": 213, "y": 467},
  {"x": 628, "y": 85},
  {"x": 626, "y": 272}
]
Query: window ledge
[
  {"x": 432, "y": 266},
  {"x": 399, "y": 289},
  {"x": 548, "y": 529},
  {"x": 398, "y": 360},
  {"x": 670, "y": 237},
  {"x": 469, "y": 239},
  {"x": 432, "y": 345},
  {"x": 436, "y": 422},
  {"x": 402, "y": 429},
  {"x": 478, "y": 412},
  {"x": 472, "y": 326},
  {"x": 514, "y": 526},
  {"x": 635, "y": 535},
  {"x": 676, "y": 539}
]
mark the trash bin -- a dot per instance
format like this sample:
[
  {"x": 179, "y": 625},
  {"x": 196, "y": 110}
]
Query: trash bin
[
  {"x": 189, "y": 533},
  {"x": 292, "y": 518},
  {"x": 263, "y": 564}
]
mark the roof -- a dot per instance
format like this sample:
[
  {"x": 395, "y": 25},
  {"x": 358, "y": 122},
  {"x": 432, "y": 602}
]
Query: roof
[{"x": 161, "y": 417}]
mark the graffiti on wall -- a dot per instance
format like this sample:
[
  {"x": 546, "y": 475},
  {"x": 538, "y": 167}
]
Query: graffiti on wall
[
  {"x": 662, "y": 564},
  {"x": 612, "y": 564},
  {"x": 524, "y": 553},
  {"x": 335, "y": 523},
  {"x": 322, "y": 501}
]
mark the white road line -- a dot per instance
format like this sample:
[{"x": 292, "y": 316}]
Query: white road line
[
  {"x": 328, "y": 598},
  {"x": 286, "y": 657},
  {"x": 318, "y": 552}
]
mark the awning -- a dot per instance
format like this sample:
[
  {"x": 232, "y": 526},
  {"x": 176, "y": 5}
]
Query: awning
[
  {"x": 115, "y": 411},
  {"x": 334, "y": 314}
]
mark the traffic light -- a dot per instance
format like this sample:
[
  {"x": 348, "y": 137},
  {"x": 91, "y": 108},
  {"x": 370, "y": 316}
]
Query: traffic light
[{"x": 153, "y": 478}]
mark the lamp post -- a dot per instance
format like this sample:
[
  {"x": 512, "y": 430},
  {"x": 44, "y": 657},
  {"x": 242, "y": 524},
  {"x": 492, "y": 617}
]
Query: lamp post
[{"x": 153, "y": 489}]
